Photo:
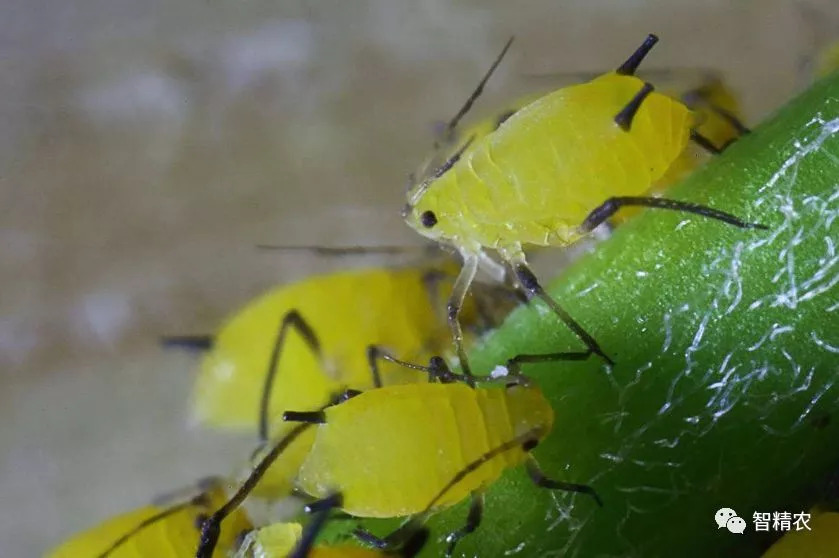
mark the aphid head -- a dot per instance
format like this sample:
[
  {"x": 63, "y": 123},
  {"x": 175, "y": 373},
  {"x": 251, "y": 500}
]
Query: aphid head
[{"x": 425, "y": 220}]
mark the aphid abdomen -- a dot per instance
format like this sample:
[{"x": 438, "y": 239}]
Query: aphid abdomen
[{"x": 390, "y": 451}]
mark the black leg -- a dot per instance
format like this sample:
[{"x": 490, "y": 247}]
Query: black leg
[
  {"x": 406, "y": 542},
  {"x": 414, "y": 543},
  {"x": 142, "y": 525},
  {"x": 514, "y": 364},
  {"x": 706, "y": 144},
  {"x": 370, "y": 539},
  {"x": 211, "y": 528},
  {"x": 321, "y": 509},
  {"x": 627, "y": 114},
  {"x": 700, "y": 96},
  {"x": 539, "y": 479},
  {"x": 437, "y": 369},
  {"x": 473, "y": 521},
  {"x": 735, "y": 122},
  {"x": 530, "y": 283},
  {"x": 308, "y": 417},
  {"x": 295, "y": 320},
  {"x": 374, "y": 355},
  {"x": 628, "y": 68},
  {"x": 199, "y": 343},
  {"x": 612, "y": 205}
]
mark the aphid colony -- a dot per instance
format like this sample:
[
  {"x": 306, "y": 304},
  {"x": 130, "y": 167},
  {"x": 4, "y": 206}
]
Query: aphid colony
[{"x": 343, "y": 377}]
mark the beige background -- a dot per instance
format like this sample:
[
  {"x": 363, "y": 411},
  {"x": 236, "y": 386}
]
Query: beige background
[{"x": 145, "y": 147}]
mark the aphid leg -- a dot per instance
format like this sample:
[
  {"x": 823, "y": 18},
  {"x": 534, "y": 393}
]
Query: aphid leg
[
  {"x": 437, "y": 369},
  {"x": 473, "y": 521},
  {"x": 705, "y": 143},
  {"x": 211, "y": 528},
  {"x": 627, "y": 114},
  {"x": 295, "y": 320},
  {"x": 406, "y": 542},
  {"x": 321, "y": 509},
  {"x": 531, "y": 284},
  {"x": 142, "y": 525},
  {"x": 699, "y": 96},
  {"x": 539, "y": 479},
  {"x": 308, "y": 417},
  {"x": 628, "y": 68},
  {"x": 612, "y": 205},
  {"x": 732, "y": 119},
  {"x": 374, "y": 354},
  {"x": 514, "y": 364},
  {"x": 458, "y": 295},
  {"x": 198, "y": 343}
]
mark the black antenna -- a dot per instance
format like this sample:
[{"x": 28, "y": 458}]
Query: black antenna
[
  {"x": 476, "y": 93},
  {"x": 628, "y": 68}
]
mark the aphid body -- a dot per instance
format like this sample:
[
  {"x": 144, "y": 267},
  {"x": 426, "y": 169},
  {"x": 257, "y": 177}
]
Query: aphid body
[
  {"x": 539, "y": 175},
  {"x": 391, "y": 451}
]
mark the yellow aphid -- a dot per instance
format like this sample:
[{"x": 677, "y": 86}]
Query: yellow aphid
[
  {"x": 551, "y": 173},
  {"x": 821, "y": 540},
  {"x": 300, "y": 344},
  {"x": 162, "y": 532},
  {"x": 410, "y": 450},
  {"x": 423, "y": 427}
]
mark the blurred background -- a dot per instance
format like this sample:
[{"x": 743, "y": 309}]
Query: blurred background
[{"x": 145, "y": 148}]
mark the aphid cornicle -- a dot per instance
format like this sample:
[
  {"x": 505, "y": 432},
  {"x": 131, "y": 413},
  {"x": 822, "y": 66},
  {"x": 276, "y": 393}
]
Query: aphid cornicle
[
  {"x": 550, "y": 174},
  {"x": 163, "y": 532},
  {"x": 410, "y": 450}
]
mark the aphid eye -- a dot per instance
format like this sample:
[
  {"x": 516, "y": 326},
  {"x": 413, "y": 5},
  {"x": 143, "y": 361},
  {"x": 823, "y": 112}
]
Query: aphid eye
[{"x": 428, "y": 219}]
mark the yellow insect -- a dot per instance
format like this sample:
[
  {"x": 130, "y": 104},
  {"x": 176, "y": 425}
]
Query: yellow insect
[
  {"x": 298, "y": 344},
  {"x": 820, "y": 540},
  {"x": 163, "y": 532},
  {"x": 551, "y": 173},
  {"x": 413, "y": 449}
]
